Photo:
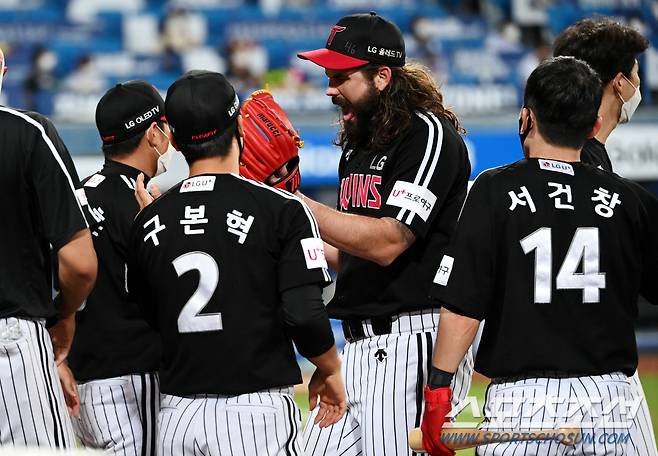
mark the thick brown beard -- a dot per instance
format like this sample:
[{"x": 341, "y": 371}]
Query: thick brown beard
[{"x": 357, "y": 132}]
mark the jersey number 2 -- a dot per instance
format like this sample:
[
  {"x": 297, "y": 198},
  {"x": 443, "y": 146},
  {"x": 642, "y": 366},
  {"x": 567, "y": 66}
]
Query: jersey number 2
[
  {"x": 584, "y": 249},
  {"x": 189, "y": 319}
]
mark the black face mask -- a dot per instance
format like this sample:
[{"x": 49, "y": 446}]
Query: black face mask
[{"x": 524, "y": 135}]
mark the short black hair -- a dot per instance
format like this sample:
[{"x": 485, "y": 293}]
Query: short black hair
[
  {"x": 564, "y": 93},
  {"x": 218, "y": 146},
  {"x": 127, "y": 146},
  {"x": 607, "y": 46}
]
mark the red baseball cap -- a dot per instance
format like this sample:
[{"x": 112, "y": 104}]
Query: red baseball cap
[{"x": 357, "y": 40}]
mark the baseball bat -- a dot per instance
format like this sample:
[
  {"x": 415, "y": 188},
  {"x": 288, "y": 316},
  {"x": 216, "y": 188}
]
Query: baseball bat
[{"x": 459, "y": 438}]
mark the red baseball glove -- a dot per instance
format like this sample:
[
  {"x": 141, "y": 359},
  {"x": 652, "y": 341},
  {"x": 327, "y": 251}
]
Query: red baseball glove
[
  {"x": 437, "y": 406},
  {"x": 271, "y": 144}
]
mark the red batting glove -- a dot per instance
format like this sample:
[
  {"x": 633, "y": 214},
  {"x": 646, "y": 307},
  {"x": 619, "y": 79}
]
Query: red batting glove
[{"x": 437, "y": 406}]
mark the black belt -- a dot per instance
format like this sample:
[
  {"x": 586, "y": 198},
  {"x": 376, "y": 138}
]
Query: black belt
[
  {"x": 539, "y": 374},
  {"x": 353, "y": 329}
]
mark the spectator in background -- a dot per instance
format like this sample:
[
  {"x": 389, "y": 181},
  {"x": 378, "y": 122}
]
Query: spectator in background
[
  {"x": 532, "y": 59},
  {"x": 505, "y": 38},
  {"x": 183, "y": 30},
  {"x": 41, "y": 77},
  {"x": 421, "y": 31},
  {"x": 248, "y": 61},
  {"x": 86, "y": 79}
]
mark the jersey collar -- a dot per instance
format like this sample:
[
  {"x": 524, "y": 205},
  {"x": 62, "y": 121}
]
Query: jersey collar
[{"x": 115, "y": 167}]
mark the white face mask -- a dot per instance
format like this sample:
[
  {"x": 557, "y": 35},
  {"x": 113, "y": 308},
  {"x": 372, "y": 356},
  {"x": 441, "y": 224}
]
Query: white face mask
[
  {"x": 164, "y": 159},
  {"x": 629, "y": 106}
]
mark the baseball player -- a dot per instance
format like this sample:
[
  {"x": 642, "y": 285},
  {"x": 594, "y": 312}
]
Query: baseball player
[
  {"x": 69, "y": 386},
  {"x": 230, "y": 271},
  {"x": 43, "y": 211},
  {"x": 560, "y": 251},
  {"x": 403, "y": 177},
  {"x": 612, "y": 50},
  {"x": 115, "y": 353}
]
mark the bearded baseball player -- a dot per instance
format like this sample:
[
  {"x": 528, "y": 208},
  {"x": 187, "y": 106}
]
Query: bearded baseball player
[
  {"x": 231, "y": 272},
  {"x": 45, "y": 212},
  {"x": 115, "y": 353},
  {"x": 552, "y": 244},
  {"x": 403, "y": 177},
  {"x": 612, "y": 50}
]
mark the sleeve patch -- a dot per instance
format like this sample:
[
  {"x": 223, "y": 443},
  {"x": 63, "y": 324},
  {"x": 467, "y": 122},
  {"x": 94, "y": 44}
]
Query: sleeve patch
[
  {"x": 82, "y": 196},
  {"x": 445, "y": 268},
  {"x": 412, "y": 197},
  {"x": 94, "y": 180},
  {"x": 313, "y": 249}
]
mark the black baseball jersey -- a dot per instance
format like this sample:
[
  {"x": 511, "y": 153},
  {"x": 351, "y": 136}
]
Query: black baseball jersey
[
  {"x": 64, "y": 154},
  {"x": 553, "y": 256},
  {"x": 41, "y": 209},
  {"x": 112, "y": 338},
  {"x": 208, "y": 261},
  {"x": 421, "y": 181},
  {"x": 595, "y": 154},
  {"x": 61, "y": 149}
]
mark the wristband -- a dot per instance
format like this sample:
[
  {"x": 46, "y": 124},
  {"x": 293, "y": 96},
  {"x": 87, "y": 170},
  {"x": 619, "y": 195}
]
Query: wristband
[{"x": 439, "y": 378}]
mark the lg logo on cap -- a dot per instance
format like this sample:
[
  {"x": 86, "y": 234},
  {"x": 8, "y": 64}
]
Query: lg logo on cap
[
  {"x": 234, "y": 107},
  {"x": 144, "y": 117}
]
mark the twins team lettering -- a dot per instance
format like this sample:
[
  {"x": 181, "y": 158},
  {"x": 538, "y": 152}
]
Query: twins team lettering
[{"x": 360, "y": 190}]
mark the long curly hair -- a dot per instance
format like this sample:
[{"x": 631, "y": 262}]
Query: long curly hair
[{"x": 411, "y": 88}]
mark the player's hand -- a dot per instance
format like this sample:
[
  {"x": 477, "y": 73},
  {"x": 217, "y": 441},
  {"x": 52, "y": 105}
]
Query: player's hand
[
  {"x": 70, "y": 389},
  {"x": 145, "y": 197},
  {"x": 61, "y": 335},
  {"x": 437, "y": 406},
  {"x": 332, "y": 397}
]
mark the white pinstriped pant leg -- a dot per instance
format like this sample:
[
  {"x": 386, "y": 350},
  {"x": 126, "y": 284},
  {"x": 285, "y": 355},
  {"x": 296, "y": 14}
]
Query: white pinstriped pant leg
[
  {"x": 385, "y": 377},
  {"x": 646, "y": 443},
  {"x": 32, "y": 407},
  {"x": 261, "y": 423},
  {"x": 119, "y": 414},
  {"x": 600, "y": 405}
]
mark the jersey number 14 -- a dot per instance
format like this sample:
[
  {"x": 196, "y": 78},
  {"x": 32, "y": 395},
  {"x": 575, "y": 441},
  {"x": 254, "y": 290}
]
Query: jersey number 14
[{"x": 584, "y": 249}]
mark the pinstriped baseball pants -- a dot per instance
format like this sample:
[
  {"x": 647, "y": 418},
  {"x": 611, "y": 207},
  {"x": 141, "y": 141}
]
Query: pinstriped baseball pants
[
  {"x": 646, "y": 441},
  {"x": 119, "y": 414},
  {"x": 385, "y": 377},
  {"x": 606, "y": 408},
  {"x": 264, "y": 423},
  {"x": 32, "y": 407}
]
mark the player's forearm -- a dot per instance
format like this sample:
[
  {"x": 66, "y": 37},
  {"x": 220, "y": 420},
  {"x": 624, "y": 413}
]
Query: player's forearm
[
  {"x": 380, "y": 240},
  {"x": 332, "y": 255},
  {"x": 455, "y": 335},
  {"x": 328, "y": 362},
  {"x": 77, "y": 272}
]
